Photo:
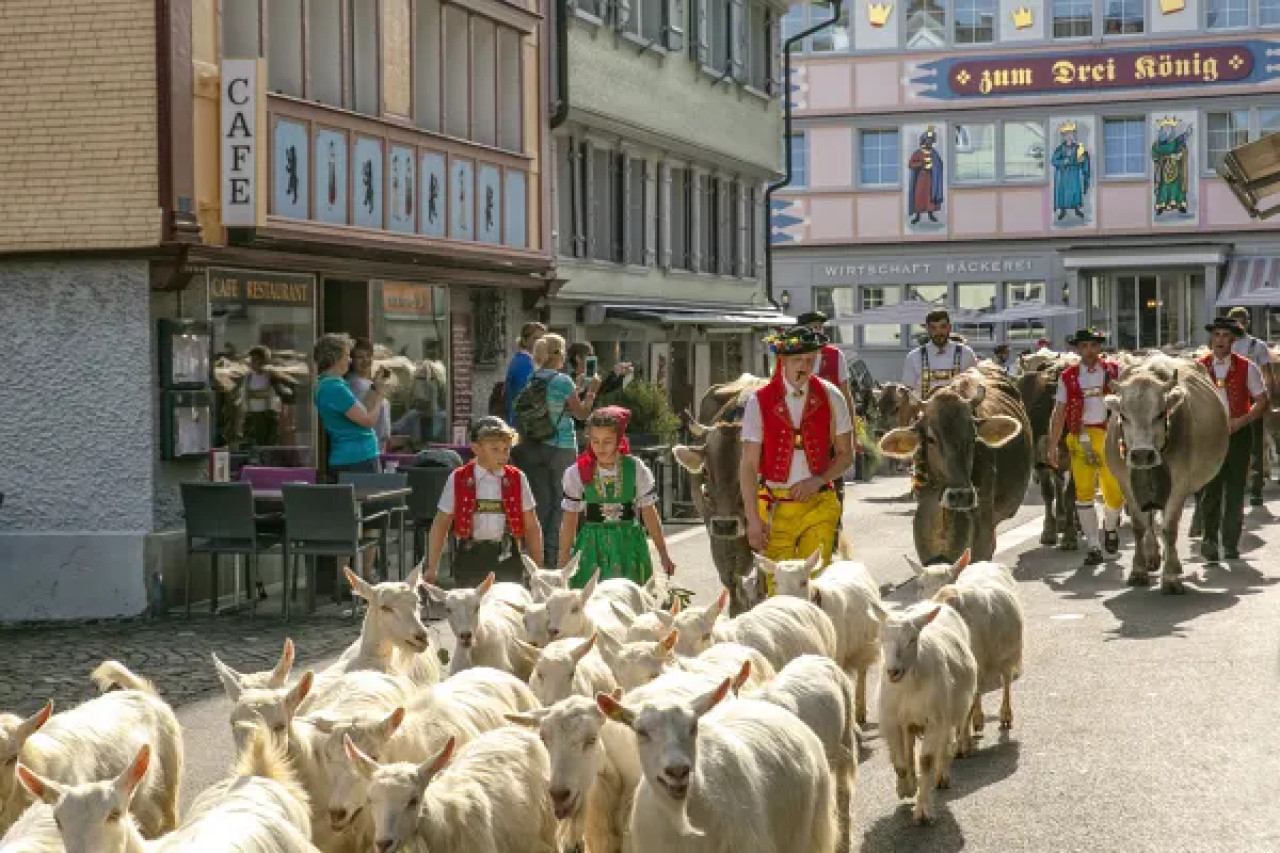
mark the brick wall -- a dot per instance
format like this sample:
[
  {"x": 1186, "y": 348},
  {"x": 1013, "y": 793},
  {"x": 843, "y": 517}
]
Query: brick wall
[{"x": 78, "y": 129}]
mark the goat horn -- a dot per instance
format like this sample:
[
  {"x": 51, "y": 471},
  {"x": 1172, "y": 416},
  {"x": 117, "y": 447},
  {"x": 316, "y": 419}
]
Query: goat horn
[{"x": 696, "y": 429}]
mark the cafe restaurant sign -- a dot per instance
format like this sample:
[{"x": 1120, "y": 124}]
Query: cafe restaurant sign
[
  {"x": 1079, "y": 72},
  {"x": 253, "y": 287}
]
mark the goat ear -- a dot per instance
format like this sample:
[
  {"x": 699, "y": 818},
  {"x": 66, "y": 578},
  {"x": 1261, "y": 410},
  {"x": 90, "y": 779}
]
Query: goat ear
[
  {"x": 946, "y": 593},
  {"x": 668, "y": 643},
  {"x": 814, "y": 561},
  {"x": 529, "y": 652},
  {"x": 415, "y": 576},
  {"x": 998, "y": 430},
  {"x": 571, "y": 568},
  {"x": 231, "y": 680},
  {"x": 928, "y": 616},
  {"x": 389, "y": 726},
  {"x": 280, "y": 675},
  {"x": 583, "y": 649},
  {"x": 299, "y": 692},
  {"x": 487, "y": 584},
  {"x": 530, "y": 565},
  {"x": 690, "y": 459},
  {"x": 743, "y": 676},
  {"x": 529, "y": 719},
  {"x": 435, "y": 593},
  {"x": 707, "y": 701},
  {"x": 359, "y": 586},
  {"x": 42, "y": 789},
  {"x": 961, "y": 564},
  {"x": 34, "y": 723},
  {"x": 900, "y": 443},
  {"x": 878, "y": 611},
  {"x": 516, "y": 606},
  {"x": 128, "y": 781},
  {"x": 428, "y": 769},
  {"x": 590, "y": 589},
  {"x": 363, "y": 764},
  {"x": 615, "y": 710},
  {"x": 540, "y": 589},
  {"x": 625, "y": 616},
  {"x": 764, "y": 564},
  {"x": 667, "y": 619}
]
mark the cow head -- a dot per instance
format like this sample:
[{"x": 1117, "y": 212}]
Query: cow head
[
  {"x": 896, "y": 406},
  {"x": 717, "y": 462},
  {"x": 948, "y": 429},
  {"x": 1143, "y": 404}
]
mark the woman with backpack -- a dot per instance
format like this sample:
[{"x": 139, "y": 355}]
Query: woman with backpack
[{"x": 544, "y": 413}]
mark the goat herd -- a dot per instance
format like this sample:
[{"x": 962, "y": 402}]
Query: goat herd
[{"x": 570, "y": 720}]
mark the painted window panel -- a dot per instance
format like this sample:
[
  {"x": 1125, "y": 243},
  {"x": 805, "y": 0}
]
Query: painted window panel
[
  {"x": 515, "y": 210},
  {"x": 324, "y": 30},
  {"x": 880, "y": 158},
  {"x": 331, "y": 176},
  {"x": 462, "y": 200},
  {"x": 404, "y": 190},
  {"x": 489, "y": 204},
  {"x": 433, "y": 195},
  {"x": 975, "y": 21},
  {"x": 368, "y": 183},
  {"x": 284, "y": 48},
  {"x": 289, "y": 171},
  {"x": 1226, "y": 131},
  {"x": 975, "y": 152},
  {"x": 1024, "y": 150},
  {"x": 426, "y": 65},
  {"x": 1124, "y": 142},
  {"x": 1072, "y": 18}
]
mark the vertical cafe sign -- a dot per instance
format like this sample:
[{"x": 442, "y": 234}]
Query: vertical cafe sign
[{"x": 242, "y": 110}]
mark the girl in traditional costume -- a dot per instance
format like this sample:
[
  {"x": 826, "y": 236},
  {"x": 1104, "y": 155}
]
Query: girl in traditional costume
[{"x": 609, "y": 503}]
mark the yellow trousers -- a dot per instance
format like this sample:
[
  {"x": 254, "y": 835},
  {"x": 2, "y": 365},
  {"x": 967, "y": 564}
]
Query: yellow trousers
[
  {"x": 1087, "y": 475},
  {"x": 797, "y": 529}
]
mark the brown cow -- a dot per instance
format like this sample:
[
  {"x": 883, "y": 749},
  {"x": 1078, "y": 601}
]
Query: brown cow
[
  {"x": 978, "y": 455},
  {"x": 713, "y": 474},
  {"x": 1038, "y": 388}
]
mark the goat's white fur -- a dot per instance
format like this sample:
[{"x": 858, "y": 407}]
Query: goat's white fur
[
  {"x": 570, "y": 667},
  {"x": 781, "y": 628},
  {"x": 487, "y": 623},
  {"x": 33, "y": 832},
  {"x": 393, "y": 638}
]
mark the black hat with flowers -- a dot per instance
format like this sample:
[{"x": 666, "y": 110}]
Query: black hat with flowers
[
  {"x": 1227, "y": 323},
  {"x": 797, "y": 340},
  {"x": 1084, "y": 336}
]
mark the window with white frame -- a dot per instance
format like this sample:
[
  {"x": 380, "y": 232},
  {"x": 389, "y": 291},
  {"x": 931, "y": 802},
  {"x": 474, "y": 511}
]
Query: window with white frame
[
  {"x": 835, "y": 38},
  {"x": 799, "y": 160},
  {"x": 1124, "y": 17},
  {"x": 645, "y": 19},
  {"x": 835, "y": 301},
  {"x": 1124, "y": 144},
  {"x": 1268, "y": 13},
  {"x": 975, "y": 21},
  {"x": 926, "y": 23},
  {"x": 1268, "y": 122},
  {"x": 1024, "y": 150},
  {"x": 878, "y": 334},
  {"x": 1226, "y": 130},
  {"x": 1226, "y": 14},
  {"x": 974, "y": 146},
  {"x": 1022, "y": 293},
  {"x": 879, "y": 158},
  {"x": 1072, "y": 18}
]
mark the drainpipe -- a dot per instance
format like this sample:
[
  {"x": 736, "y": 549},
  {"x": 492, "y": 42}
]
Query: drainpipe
[
  {"x": 561, "y": 111},
  {"x": 786, "y": 148}
]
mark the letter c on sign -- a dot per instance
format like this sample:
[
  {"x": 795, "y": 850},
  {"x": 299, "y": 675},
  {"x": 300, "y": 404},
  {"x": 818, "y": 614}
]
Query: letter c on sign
[{"x": 231, "y": 91}]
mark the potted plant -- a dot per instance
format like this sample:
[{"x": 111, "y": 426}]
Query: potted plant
[{"x": 652, "y": 421}]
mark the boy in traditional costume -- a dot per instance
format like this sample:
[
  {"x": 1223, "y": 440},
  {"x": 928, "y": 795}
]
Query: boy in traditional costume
[
  {"x": 797, "y": 438},
  {"x": 1080, "y": 409},
  {"x": 609, "y": 503},
  {"x": 488, "y": 506}
]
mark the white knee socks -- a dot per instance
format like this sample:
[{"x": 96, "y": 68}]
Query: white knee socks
[{"x": 1089, "y": 522}]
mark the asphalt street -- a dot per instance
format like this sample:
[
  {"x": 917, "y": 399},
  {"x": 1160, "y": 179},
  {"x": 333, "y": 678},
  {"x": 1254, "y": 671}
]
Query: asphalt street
[{"x": 1143, "y": 722}]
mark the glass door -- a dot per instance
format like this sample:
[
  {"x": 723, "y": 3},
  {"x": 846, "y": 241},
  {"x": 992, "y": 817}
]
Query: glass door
[
  {"x": 1127, "y": 325},
  {"x": 1151, "y": 310}
]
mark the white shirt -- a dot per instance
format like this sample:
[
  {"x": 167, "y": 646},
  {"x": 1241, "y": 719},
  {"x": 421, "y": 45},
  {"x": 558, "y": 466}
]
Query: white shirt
[
  {"x": 646, "y": 494},
  {"x": 753, "y": 425},
  {"x": 1256, "y": 386},
  {"x": 939, "y": 360},
  {"x": 1253, "y": 349},
  {"x": 360, "y": 387},
  {"x": 1092, "y": 385},
  {"x": 488, "y": 526}
]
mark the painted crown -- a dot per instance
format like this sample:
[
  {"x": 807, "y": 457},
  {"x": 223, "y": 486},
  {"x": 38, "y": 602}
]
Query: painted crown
[
  {"x": 878, "y": 13},
  {"x": 1067, "y": 127},
  {"x": 1022, "y": 18},
  {"x": 1169, "y": 121},
  {"x": 1169, "y": 7}
]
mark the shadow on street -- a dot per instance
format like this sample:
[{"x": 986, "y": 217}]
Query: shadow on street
[{"x": 898, "y": 831}]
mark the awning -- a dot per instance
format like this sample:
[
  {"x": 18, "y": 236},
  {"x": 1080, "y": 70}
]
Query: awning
[
  {"x": 1024, "y": 311},
  {"x": 912, "y": 311},
  {"x": 1251, "y": 281},
  {"x": 666, "y": 317}
]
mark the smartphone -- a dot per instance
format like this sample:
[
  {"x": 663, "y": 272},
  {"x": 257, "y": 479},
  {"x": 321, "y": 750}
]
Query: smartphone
[{"x": 591, "y": 365}]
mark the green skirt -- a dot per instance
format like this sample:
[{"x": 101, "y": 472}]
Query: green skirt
[{"x": 618, "y": 549}]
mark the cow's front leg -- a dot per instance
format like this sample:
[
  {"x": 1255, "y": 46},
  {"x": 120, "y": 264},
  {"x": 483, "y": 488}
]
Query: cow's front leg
[
  {"x": 1171, "y": 570},
  {"x": 1140, "y": 574},
  {"x": 1049, "y": 495},
  {"x": 1067, "y": 521}
]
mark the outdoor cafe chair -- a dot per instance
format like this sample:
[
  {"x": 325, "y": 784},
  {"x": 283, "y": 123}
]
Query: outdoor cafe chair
[
  {"x": 221, "y": 520},
  {"x": 322, "y": 521},
  {"x": 397, "y": 512},
  {"x": 427, "y": 486}
]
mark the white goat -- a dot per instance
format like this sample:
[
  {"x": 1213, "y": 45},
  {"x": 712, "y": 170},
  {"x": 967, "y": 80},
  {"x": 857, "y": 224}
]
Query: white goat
[
  {"x": 570, "y": 667},
  {"x": 781, "y": 628},
  {"x": 930, "y": 677},
  {"x": 97, "y": 739},
  {"x": 271, "y": 678},
  {"x": 635, "y": 664},
  {"x": 985, "y": 595},
  {"x": 542, "y": 582},
  {"x": 393, "y": 639},
  {"x": 652, "y": 625},
  {"x": 492, "y": 797},
  {"x": 260, "y": 809},
  {"x": 487, "y": 624},
  {"x": 819, "y": 693},
  {"x": 581, "y": 613},
  {"x": 34, "y": 832},
  {"x": 750, "y": 778},
  {"x": 701, "y": 627},
  {"x": 849, "y": 595},
  {"x": 930, "y": 579}
]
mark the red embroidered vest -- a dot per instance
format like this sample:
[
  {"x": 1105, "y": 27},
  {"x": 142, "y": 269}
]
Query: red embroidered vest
[
  {"x": 1070, "y": 379},
  {"x": 1236, "y": 384},
  {"x": 829, "y": 364},
  {"x": 781, "y": 438},
  {"x": 464, "y": 500}
]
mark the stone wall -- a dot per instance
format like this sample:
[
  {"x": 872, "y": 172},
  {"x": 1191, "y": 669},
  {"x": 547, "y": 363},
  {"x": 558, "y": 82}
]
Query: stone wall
[{"x": 77, "y": 431}]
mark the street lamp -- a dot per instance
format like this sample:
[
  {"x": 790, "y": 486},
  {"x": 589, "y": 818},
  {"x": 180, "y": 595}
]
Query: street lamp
[{"x": 1252, "y": 171}]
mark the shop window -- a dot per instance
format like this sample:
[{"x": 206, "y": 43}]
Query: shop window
[
  {"x": 799, "y": 160},
  {"x": 411, "y": 323},
  {"x": 975, "y": 152},
  {"x": 426, "y": 66},
  {"x": 926, "y": 23},
  {"x": 975, "y": 21},
  {"x": 1268, "y": 13},
  {"x": 1123, "y": 17},
  {"x": 364, "y": 57},
  {"x": 1024, "y": 150},
  {"x": 1226, "y": 131},
  {"x": 241, "y": 28},
  {"x": 324, "y": 30},
  {"x": 679, "y": 230},
  {"x": 1072, "y": 19},
  {"x": 510, "y": 94},
  {"x": 484, "y": 81},
  {"x": 1098, "y": 302},
  {"x": 981, "y": 297},
  {"x": 1021, "y": 293},
  {"x": 874, "y": 297},
  {"x": 834, "y": 39},
  {"x": 879, "y": 154},
  {"x": 1227, "y": 14},
  {"x": 457, "y": 76},
  {"x": 1124, "y": 143},
  {"x": 284, "y": 47}
]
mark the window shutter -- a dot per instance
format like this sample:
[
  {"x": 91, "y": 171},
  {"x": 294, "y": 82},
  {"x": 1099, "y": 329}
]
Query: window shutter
[
  {"x": 577, "y": 237},
  {"x": 665, "y": 205},
  {"x": 702, "y": 40},
  {"x": 622, "y": 13},
  {"x": 737, "y": 38},
  {"x": 648, "y": 210},
  {"x": 590, "y": 195},
  {"x": 695, "y": 220},
  {"x": 673, "y": 24},
  {"x": 773, "y": 54},
  {"x": 625, "y": 165}
]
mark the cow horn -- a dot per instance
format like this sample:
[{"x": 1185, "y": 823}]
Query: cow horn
[
  {"x": 696, "y": 429},
  {"x": 1173, "y": 381}
]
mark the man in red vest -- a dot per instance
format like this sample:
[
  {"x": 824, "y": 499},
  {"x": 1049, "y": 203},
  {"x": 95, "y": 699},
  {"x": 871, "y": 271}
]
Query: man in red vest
[
  {"x": 797, "y": 437},
  {"x": 489, "y": 507},
  {"x": 832, "y": 366},
  {"x": 1242, "y": 390}
]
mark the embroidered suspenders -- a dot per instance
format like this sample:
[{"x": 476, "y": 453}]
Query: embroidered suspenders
[{"x": 928, "y": 376}]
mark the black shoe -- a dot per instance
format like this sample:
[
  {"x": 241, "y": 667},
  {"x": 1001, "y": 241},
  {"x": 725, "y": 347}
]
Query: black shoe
[
  {"x": 1080, "y": 212},
  {"x": 1062, "y": 211},
  {"x": 1256, "y": 500},
  {"x": 932, "y": 218},
  {"x": 1231, "y": 553},
  {"x": 1111, "y": 543},
  {"x": 1094, "y": 558},
  {"x": 1209, "y": 550},
  {"x": 915, "y": 219}
]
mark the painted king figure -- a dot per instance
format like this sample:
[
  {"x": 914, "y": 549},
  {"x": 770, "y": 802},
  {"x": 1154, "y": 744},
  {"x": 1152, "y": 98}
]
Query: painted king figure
[
  {"x": 1072, "y": 173},
  {"x": 927, "y": 188},
  {"x": 1169, "y": 153}
]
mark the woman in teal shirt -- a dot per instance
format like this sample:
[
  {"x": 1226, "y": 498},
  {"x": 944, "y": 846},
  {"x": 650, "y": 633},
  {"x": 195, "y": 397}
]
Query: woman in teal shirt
[{"x": 349, "y": 423}]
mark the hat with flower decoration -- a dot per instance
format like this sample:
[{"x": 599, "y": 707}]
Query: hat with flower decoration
[
  {"x": 1087, "y": 335},
  {"x": 797, "y": 340}
]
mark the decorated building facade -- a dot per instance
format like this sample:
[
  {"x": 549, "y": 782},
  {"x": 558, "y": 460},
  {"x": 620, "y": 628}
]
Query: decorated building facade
[{"x": 998, "y": 152}]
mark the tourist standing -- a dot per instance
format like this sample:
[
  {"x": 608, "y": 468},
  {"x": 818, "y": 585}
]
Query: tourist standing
[
  {"x": 360, "y": 378},
  {"x": 1259, "y": 353},
  {"x": 349, "y": 423},
  {"x": 521, "y": 366}
]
